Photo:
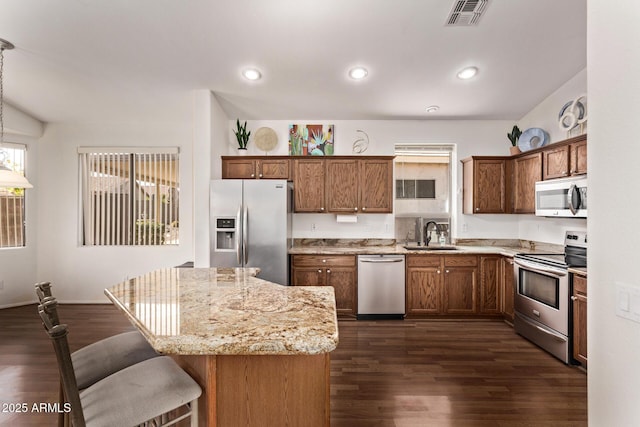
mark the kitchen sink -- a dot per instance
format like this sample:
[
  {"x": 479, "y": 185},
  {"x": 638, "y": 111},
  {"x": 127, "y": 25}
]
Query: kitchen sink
[{"x": 430, "y": 248}]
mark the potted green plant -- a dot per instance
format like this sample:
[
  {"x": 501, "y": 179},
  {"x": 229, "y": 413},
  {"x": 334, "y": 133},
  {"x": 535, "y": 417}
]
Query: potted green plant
[
  {"x": 513, "y": 137},
  {"x": 242, "y": 136}
]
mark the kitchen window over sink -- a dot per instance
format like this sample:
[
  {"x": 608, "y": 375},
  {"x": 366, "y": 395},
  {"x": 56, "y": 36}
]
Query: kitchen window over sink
[
  {"x": 423, "y": 186},
  {"x": 129, "y": 196}
]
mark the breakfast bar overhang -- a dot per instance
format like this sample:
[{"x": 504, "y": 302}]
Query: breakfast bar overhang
[{"x": 259, "y": 350}]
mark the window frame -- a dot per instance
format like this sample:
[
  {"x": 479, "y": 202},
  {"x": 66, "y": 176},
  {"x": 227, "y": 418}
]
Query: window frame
[
  {"x": 24, "y": 148},
  {"x": 138, "y": 175}
]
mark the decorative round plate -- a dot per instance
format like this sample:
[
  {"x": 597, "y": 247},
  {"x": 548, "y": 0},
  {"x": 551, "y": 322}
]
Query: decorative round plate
[
  {"x": 533, "y": 138},
  {"x": 265, "y": 139},
  {"x": 571, "y": 114}
]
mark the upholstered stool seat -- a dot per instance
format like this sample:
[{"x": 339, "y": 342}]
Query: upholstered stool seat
[{"x": 138, "y": 393}]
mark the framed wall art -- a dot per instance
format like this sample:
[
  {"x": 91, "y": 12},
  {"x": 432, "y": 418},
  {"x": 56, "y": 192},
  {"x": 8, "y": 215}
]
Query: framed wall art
[{"x": 311, "y": 140}]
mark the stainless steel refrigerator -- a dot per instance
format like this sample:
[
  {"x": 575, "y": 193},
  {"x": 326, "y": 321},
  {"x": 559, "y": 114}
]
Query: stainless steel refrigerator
[{"x": 251, "y": 226}]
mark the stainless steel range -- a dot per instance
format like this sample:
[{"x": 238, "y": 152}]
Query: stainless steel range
[{"x": 542, "y": 294}]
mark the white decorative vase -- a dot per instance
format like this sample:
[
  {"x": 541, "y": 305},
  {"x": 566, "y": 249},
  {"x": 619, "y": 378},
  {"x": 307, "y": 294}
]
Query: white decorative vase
[{"x": 242, "y": 151}]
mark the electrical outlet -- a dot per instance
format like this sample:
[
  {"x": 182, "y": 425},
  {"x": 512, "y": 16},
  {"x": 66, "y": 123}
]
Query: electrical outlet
[
  {"x": 1, "y": 285},
  {"x": 465, "y": 228},
  {"x": 313, "y": 227}
]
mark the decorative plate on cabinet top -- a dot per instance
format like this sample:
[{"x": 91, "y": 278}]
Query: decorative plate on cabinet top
[
  {"x": 533, "y": 138},
  {"x": 265, "y": 139}
]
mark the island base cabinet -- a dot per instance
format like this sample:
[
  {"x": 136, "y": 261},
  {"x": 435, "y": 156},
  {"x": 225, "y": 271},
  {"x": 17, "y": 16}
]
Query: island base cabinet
[{"x": 261, "y": 390}]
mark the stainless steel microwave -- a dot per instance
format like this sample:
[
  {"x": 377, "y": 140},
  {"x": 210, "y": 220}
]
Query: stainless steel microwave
[{"x": 564, "y": 197}]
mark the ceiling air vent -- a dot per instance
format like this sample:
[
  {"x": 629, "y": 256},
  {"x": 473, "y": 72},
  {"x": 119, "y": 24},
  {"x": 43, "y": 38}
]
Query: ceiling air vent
[{"x": 466, "y": 12}]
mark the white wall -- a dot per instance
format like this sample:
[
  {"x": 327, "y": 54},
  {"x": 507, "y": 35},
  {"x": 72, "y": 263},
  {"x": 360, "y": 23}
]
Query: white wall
[
  {"x": 545, "y": 114},
  {"x": 80, "y": 274},
  {"x": 613, "y": 44}
]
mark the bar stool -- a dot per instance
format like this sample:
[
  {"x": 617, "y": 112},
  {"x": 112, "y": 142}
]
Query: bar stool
[
  {"x": 155, "y": 392},
  {"x": 102, "y": 358}
]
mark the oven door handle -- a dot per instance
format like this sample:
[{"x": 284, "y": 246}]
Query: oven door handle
[
  {"x": 538, "y": 269},
  {"x": 555, "y": 335}
]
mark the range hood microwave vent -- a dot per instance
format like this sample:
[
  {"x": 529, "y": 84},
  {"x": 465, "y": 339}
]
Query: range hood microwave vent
[{"x": 465, "y": 13}]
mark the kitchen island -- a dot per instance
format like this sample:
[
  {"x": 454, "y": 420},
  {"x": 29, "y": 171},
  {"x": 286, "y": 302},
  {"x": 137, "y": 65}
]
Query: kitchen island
[{"x": 260, "y": 351}]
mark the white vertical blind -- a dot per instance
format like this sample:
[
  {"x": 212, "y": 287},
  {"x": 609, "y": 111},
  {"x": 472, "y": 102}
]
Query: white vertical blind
[{"x": 127, "y": 196}]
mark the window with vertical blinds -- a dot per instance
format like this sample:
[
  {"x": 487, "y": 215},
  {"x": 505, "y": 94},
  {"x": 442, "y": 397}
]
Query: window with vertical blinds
[
  {"x": 12, "y": 212},
  {"x": 129, "y": 196}
]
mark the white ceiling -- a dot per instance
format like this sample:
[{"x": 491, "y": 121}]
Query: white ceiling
[{"x": 139, "y": 60}]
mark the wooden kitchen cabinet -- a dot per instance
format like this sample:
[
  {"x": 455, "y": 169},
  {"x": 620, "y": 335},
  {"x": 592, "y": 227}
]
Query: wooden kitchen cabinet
[
  {"x": 579, "y": 302},
  {"x": 309, "y": 185},
  {"x": 566, "y": 160},
  {"x": 526, "y": 171},
  {"x": 338, "y": 271},
  {"x": 441, "y": 285},
  {"x": 490, "y": 284},
  {"x": 345, "y": 184},
  {"x": 255, "y": 167},
  {"x": 359, "y": 185},
  {"x": 424, "y": 284},
  {"x": 485, "y": 188},
  {"x": 460, "y": 284},
  {"x": 376, "y": 185},
  {"x": 508, "y": 289}
]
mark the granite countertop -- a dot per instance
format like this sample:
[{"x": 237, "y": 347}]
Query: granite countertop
[
  {"x": 216, "y": 311},
  {"x": 506, "y": 247}
]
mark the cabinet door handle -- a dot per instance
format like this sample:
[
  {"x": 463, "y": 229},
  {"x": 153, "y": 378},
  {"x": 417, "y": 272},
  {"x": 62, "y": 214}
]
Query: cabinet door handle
[
  {"x": 364, "y": 209},
  {"x": 446, "y": 271},
  {"x": 324, "y": 260},
  {"x": 573, "y": 298},
  {"x": 321, "y": 209},
  {"x": 438, "y": 271},
  {"x": 328, "y": 270},
  {"x": 477, "y": 209},
  {"x": 355, "y": 209},
  {"x": 260, "y": 175},
  {"x": 253, "y": 175},
  {"x": 319, "y": 271}
]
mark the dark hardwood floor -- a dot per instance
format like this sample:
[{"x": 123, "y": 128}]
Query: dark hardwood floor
[{"x": 384, "y": 373}]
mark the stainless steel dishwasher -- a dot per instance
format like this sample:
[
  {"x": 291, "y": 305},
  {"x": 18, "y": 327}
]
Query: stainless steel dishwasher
[{"x": 381, "y": 287}]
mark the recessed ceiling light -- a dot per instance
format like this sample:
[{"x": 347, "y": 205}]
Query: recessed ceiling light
[
  {"x": 468, "y": 73},
  {"x": 358, "y": 73},
  {"x": 432, "y": 109},
  {"x": 251, "y": 74}
]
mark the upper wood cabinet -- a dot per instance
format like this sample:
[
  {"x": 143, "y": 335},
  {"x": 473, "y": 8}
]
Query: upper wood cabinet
[
  {"x": 500, "y": 184},
  {"x": 256, "y": 167},
  {"x": 351, "y": 184},
  {"x": 309, "y": 185},
  {"x": 376, "y": 185},
  {"x": 484, "y": 185},
  {"x": 566, "y": 160},
  {"x": 526, "y": 171},
  {"x": 343, "y": 186}
]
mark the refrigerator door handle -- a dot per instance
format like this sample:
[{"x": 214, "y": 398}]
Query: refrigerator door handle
[
  {"x": 245, "y": 235},
  {"x": 238, "y": 255}
]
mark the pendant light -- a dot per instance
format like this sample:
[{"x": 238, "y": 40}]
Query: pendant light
[{"x": 8, "y": 178}]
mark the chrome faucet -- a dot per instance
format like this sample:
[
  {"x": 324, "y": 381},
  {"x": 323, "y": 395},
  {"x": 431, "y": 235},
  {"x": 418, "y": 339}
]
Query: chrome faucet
[{"x": 427, "y": 237}]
